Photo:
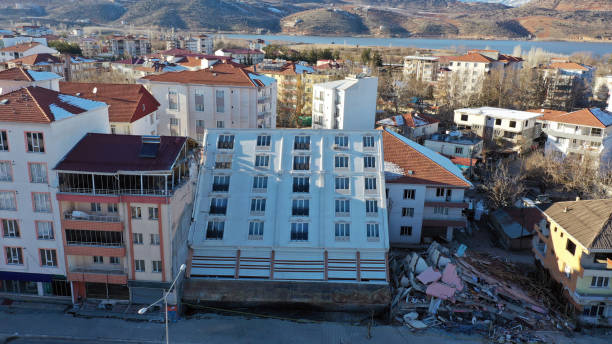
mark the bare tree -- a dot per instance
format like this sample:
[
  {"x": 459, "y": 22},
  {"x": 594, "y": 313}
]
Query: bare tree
[{"x": 503, "y": 188}]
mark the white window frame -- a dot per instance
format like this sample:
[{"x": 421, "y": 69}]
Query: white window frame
[{"x": 342, "y": 231}]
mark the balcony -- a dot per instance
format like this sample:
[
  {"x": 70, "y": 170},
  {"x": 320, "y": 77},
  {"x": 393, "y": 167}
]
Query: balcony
[
  {"x": 446, "y": 202},
  {"x": 77, "y": 215},
  {"x": 263, "y": 100},
  {"x": 80, "y": 242},
  {"x": 77, "y": 219},
  {"x": 97, "y": 275}
]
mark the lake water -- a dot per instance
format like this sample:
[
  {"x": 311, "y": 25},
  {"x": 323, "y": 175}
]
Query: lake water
[{"x": 505, "y": 47}]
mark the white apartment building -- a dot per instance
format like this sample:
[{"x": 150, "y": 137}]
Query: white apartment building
[
  {"x": 424, "y": 68},
  {"x": 9, "y": 40},
  {"x": 130, "y": 46},
  {"x": 517, "y": 128},
  {"x": 38, "y": 127},
  {"x": 202, "y": 44},
  {"x": 290, "y": 204},
  {"x": 348, "y": 104},
  {"x": 424, "y": 190},
  {"x": 469, "y": 70},
  {"x": 222, "y": 96},
  {"x": 16, "y": 78},
  {"x": 455, "y": 144},
  {"x": 243, "y": 56},
  {"x": 24, "y": 49}
]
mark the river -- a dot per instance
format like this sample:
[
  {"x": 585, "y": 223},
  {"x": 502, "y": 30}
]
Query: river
[{"x": 504, "y": 46}]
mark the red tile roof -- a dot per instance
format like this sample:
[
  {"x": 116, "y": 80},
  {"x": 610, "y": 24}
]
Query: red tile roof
[
  {"x": 424, "y": 170},
  {"x": 127, "y": 102},
  {"x": 19, "y": 48},
  {"x": 457, "y": 160},
  {"x": 472, "y": 57},
  {"x": 32, "y": 60},
  {"x": 16, "y": 74},
  {"x": 581, "y": 117},
  {"x": 220, "y": 74},
  {"x": 411, "y": 117},
  {"x": 110, "y": 153},
  {"x": 568, "y": 66}
]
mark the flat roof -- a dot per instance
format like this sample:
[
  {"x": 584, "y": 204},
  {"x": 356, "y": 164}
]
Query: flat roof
[{"x": 500, "y": 113}]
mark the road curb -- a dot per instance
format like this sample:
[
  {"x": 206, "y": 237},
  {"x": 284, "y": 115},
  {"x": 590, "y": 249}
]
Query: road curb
[{"x": 7, "y": 338}]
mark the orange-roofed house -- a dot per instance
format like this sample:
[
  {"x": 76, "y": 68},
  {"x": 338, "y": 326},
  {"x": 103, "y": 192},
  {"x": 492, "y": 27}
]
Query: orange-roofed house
[
  {"x": 24, "y": 49},
  {"x": 414, "y": 126}
]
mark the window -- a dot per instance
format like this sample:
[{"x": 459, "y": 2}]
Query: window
[
  {"x": 199, "y": 100},
  {"x": 214, "y": 231},
  {"x": 42, "y": 202},
  {"x": 262, "y": 161},
  {"x": 458, "y": 150},
  {"x": 439, "y": 192},
  {"x": 155, "y": 239},
  {"x": 300, "y": 207},
  {"x": 200, "y": 125},
  {"x": 14, "y": 255},
  {"x": 153, "y": 213},
  {"x": 596, "y": 131},
  {"x": 38, "y": 172},
  {"x": 96, "y": 207},
  {"x": 138, "y": 239},
  {"x": 258, "y": 205},
  {"x": 112, "y": 207},
  {"x": 299, "y": 231},
  {"x": 218, "y": 206},
  {"x": 220, "y": 183},
  {"x": 220, "y": 100},
  {"x": 260, "y": 183},
  {"x": 223, "y": 161},
  {"x": 406, "y": 230},
  {"x": 464, "y": 118},
  {"x": 409, "y": 193},
  {"x": 512, "y": 124},
  {"x": 3, "y": 141},
  {"x": 98, "y": 260},
  {"x": 44, "y": 230},
  {"x": 6, "y": 171},
  {"x": 371, "y": 206},
  {"x": 498, "y": 121},
  {"x": 172, "y": 99},
  {"x": 301, "y": 143},
  {"x": 263, "y": 141},
  {"x": 570, "y": 247},
  {"x": 301, "y": 184},
  {"x": 342, "y": 231},
  {"x": 369, "y": 162},
  {"x": 440, "y": 210},
  {"x": 157, "y": 266},
  {"x": 368, "y": 141},
  {"x": 341, "y": 161},
  {"x": 48, "y": 257},
  {"x": 342, "y": 183},
  {"x": 140, "y": 265},
  {"x": 301, "y": 163},
  {"x": 10, "y": 228},
  {"x": 372, "y": 231},
  {"x": 225, "y": 142},
  {"x": 8, "y": 200},
  {"x": 600, "y": 282},
  {"x": 370, "y": 184},
  {"x": 136, "y": 213},
  {"x": 256, "y": 229},
  {"x": 409, "y": 212},
  {"x": 35, "y": 142},
  {"x": 115, "y": 260},
  {"x": 220, "y": 124},
  {"x": 343, "y": 207},
  {"x": 341, "y": 142}
]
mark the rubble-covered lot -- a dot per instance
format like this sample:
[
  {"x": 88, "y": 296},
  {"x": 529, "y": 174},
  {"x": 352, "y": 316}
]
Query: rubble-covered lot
[{"x": 462, "y": 291}]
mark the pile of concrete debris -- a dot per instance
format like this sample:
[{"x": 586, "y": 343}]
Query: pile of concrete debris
[{"x": 469, "y": 293}]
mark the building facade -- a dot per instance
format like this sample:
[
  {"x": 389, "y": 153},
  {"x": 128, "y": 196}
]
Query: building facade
[
  {"x": 16, "y": 78},
  {"x": 455, "y": 144},
  {"x": 130, "y": 46},
  {"x": 424, "y": 68},
  {"x": 469, "y": 71},
  {"x": 414, "y": 126},
  {"x": 243, "y": 56},
  {"x": 24, "y": 49}
]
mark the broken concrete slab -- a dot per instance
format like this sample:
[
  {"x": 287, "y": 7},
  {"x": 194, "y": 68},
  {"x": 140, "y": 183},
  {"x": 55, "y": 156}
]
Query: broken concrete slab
[
  {"x": 440, "y": 290},
  {"x": 429, "y": 275},
  {"x": 450, "y": 277}
]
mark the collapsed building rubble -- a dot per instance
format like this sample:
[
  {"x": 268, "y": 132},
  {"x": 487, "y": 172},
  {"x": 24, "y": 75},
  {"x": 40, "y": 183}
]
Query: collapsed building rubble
[{"x": 468, "y": 292}]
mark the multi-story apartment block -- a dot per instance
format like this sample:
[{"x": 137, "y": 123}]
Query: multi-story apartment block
[
  {"x": 574, "y": 247},
  {"x": 90, "y": 46},
  {"x": 455, "y": 144},
  {"x": 243, "y": 56},
  {"x": 132, "y": 109},
  {"x": 16, "y": 78},
  {"x": 424, "y": 68},
  {"x": 223, "y": 96},
  {"x": 469, "y": 70},
  {"x": 202, "y": 44},
  {"x": 414, "y": 126},
  {"x": 130, "y": 46},
  {"x": 516, "y": 128},
  {"x": 578, "y": 133},
  {"x": 424, "y": 191},
  {"x": 24, "y": 49},
  {"x": 563, "y": 78},
  {"x": 348, "y": 104},
  {"x": 125, "y": 205},
  {"x": 38, "y": 127},
  {"x": 291, "y": 204}
]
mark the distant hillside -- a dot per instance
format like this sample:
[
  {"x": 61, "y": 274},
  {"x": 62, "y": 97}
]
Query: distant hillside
[{"x": 573, "y": 5}]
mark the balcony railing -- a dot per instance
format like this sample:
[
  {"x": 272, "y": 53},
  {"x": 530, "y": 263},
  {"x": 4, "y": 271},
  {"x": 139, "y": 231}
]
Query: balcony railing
[
  {"x": 96, "y": 270},
  {"x": 77, "y": 215},
  {"x": 150, "y": 192},
  {"x": 95, "y": 244}
]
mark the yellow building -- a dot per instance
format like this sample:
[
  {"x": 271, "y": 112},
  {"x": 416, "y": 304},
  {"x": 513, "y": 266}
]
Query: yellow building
[{"x": 575, "y": 246}]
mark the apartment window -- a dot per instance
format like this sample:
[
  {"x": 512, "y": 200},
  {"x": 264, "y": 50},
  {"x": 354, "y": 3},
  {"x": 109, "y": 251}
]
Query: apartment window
[
  {"x": 113, "y": 129},
  {"x": 199, "y": 100},
  {"x": 220, "y": 124},
  {"x": 258, "y": 205},
  {"x": 371, "y": 206},
  {"x": 370, "y": 184},
  {"x": 596, "y": 131},
  {"x": 139, "y": 265},
  {"x": 599, "y": 282},
  {"x": 95, "y": 207},
  {"x": 157, "y": 266},
  {"x": 3, "y": 141},
  {"x": 341, "y": 161},
  {"x": 8, "y": 200},
  {"x": 595, "y": 310},
  {"x": 115, "y": 260},
  {"x": 48, "y": 257},
  {"x": 440, "y": 210},
  {"x": 155, "y": 239},
  {"x": 301, "y": 163},
  {"x": 42, "y": 202},
  {"x": 343, "y": 207},
  {"x": 263, "y": 141},
  {"x": 98, "y": 259},
  {"x": 262, "y": 161},
  {"x": 225, "y": 142},
  {"x": 220, "y": 183},
  {"x": 439, "y": 192},
  {"x": 464, "y": 118},
  {"x": 299, "y": 231},
  {"x": 369, "y": 162},
  {"x": 200, "y": 125},
  {"x": 372, "y": 231},
  {"x": 35, "y": 142},
  {"x": 14, "y": 256},
  {"x": 38, "y": 172},
  {"x": 172, "y": 99},
  {"x": 512, "y": 124},
  {"x": 112, "y": 208},
  {"x": 301, "y": 142},
  {"x": 409, "y": 212},
  {"x": 260, "y": 183},
  {"x": 6, "y": 171},
  {"x": 570, "y": 247},
  {"x": 138, "y": 239},
  {"x": 223, "y": 162},
  {"x": 498, "y": 121},
  {"x": 220, "y": 100},
  {"x": 10, "y": 228},
  {"x": 342, "y": 183},
  {"x": 218, "y": 206},
  {"x": 300, "y": 207},
  {"x": 256, "y": 230},
  {"x": 153, "y": 213},
  {"x": 136, "y": 213},
  {"x": 341, "y": 142},
  {"x": 368, "y": 141},
  {"x": 409, "y": 193},
  {"x": 44, "y": 230},
  {"x": 458, "y": 150},
  {"x": 301, "y": 184},
  {"x": 342, "y": 231},
  {"x": 405, "y": 230},
  {"x": 214, "y": 231}
]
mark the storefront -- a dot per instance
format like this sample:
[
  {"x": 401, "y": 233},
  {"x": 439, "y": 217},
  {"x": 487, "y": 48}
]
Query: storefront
[{"x": 33, "y": 284}]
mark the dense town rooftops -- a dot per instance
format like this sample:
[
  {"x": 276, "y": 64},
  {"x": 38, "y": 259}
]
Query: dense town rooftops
[
  {"x": 20, "y": 48},
  {"x": 288, "y": 68},
  {"x": 37, "y": 60},
  {"x": 500, "y": 113},
  {"x": 593, "y": 117},
  {"x": 568, "y": 66},
  {"x": 219, "y": 74},
  {"x": 21, "y": 74},
  {"x": 241, "y": 51}
]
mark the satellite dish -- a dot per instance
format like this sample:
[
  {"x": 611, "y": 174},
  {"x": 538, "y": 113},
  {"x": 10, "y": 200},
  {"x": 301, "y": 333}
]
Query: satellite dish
[{"x": 95, "y": 90}]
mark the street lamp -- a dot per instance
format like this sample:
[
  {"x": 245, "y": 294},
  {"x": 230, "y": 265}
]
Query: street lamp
[{"x": 165, "y": 299}]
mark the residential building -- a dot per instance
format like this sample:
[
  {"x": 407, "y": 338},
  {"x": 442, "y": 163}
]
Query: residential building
[
  {"x": 423, "y": 68},
  {"x": 16, "y": 78},
  {"x": 574, "y": 248},
  {"x": 24, "y": 49},
  {"x": 291, "y": 204},
  {"x": 10, "y": 40},
  {"x": 564, "y": 80},
  {"x": 125, "y": 205},
  {"x": 455, "y": 144},
  {"x": 90, "y": 47},
  {"x": 34, "y": 30},
  {"x": 414, "y": 126},
  {"x": 470, "y": 70},
  {"x": 38, "y": 127},
  {"x": 202, "y": 44},
  {"x": 223, "y": 96},
  {"x": 515, "y": 227},
  {"x": 257, "y": 44},
  {"x": 505, "y": 127},
  {"x": 424, "y": 191},
  {"x": 55, "y": 64},
  {"x": 348, "y": 104},
  {"x": 132, "y": 109},
  {"x": 243, "y": 56},
  {"x": 130, "y": 46}
]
